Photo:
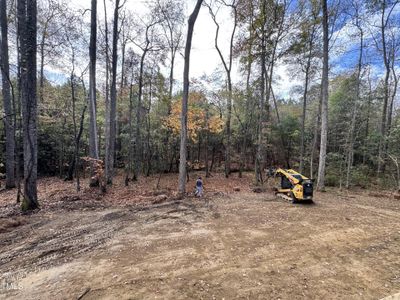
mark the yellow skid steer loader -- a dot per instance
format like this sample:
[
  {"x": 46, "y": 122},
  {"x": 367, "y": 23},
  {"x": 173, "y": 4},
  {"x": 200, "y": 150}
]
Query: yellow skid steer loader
[{"x": 294, "y": 186}]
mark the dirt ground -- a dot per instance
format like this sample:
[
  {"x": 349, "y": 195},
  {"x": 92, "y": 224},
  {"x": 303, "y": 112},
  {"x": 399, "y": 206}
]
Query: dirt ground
[{"x": 133, "y": 244}]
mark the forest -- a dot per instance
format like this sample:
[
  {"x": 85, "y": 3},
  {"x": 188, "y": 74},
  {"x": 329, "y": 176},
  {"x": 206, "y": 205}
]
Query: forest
[
  {"x": 111, "y": 111},
  {"x": 105, "y": 92}
]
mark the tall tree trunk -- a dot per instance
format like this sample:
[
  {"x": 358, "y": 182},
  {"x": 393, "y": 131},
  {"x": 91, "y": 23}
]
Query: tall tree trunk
[
  {"x": 129, "y": 169},
  {"x": 9, "y": 111},
  {"x": 42, "y": 56},
  {"x": 185, "y": 98},
  {"x": 206, "y": 142},
  {"x": 110, "y": 137},
  {"x": 62, "y": 146},
  {"x": 228, "y": 130},
  {"x": 107, "y": 86},
  {"x": 324, "y": 100},
  {"x": 123, "y": 84},
  {"x": 383, "y": 127},
  {"x": 248, "y": 98},
  {"x": 173, "y": 48},
  {"x": 77, "y": 147},
  {"x": 244, "y": 129},
  {"x": 268, "y": 81},
  {"x": 392, "y": 96},
  {"x": 71, "y": 169},
  {"x": 350, "y": 153},
  {"x": 212, "y": 158},
  {"x": 228, "y": 69},
  {"x": 148, "y": 146},
  {"x": 259, "y": 161},
  {"x": 138, "y": 144},
  {"x": 171, "y": 81},
  {"x": 315, "y": 140},
  {"x": 303, "y": 117},
  {"x": 27, "y": 30},
  {"x": 386, "y": 61},
  {"x": 18, "y": 113},
  {"x": 93, "y": 135},
  {"x": 123, "y": 77},
  {"x": 74, "y": 165},
  {"x": 367, "y": 118}
]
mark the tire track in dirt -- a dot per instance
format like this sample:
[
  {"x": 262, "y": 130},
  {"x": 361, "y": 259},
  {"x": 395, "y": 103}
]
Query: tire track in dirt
[
  {"x": 58, "y": 240},
  {"x": 66, "y": 240},
  {"x": 244, "y": 246}
]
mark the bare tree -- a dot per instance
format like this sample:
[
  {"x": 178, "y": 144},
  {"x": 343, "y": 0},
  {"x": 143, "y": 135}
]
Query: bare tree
[
  {"x": 308, "y": 53},
  {"x": 107, "y": 70},
  {"x": 112, "y": 113},
  {"x": 171, "y": 11},
  {"x": 132, "y": 63},
  {"x": 49, "y": 35},
  {"x": 228, "y": 69},
  {"x": 262, "y": 117},
  {"x": 93, "y": 137},
  {"x": 246, "y": 42},
  {"x": 386, "y": 8},
  {"x": 249, "y": 16},
  {"x": 275, "y": 35},
  {"x": 324, "y": 99},
  {"x": 172, "y": 14},
  {"x": 72, "y": 35},
  {"x": 268, "y": 30},
  {"x": 27, "y": 30},
  {"x": 150, "y": 44},
  {"x": 357, "y": 6},
  {"x": 394, "y": 50},
  {"x": 7, "y": 104},
  {"x": 185, "y": 98}
]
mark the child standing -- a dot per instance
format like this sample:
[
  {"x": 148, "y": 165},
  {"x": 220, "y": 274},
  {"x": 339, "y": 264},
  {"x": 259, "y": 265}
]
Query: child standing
[{"x": 199, "y": 187}]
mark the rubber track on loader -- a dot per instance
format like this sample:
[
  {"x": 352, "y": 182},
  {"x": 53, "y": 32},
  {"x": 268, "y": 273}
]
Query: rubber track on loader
[{"x": 283, "y": 196}]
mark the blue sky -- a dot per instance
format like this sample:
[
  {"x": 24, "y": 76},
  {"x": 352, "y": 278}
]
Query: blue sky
[{"x": 205, "y": 59}]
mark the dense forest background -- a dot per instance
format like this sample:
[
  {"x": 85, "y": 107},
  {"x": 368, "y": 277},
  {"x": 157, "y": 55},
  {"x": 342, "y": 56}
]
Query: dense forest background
[{"x": 109, "y": 93}]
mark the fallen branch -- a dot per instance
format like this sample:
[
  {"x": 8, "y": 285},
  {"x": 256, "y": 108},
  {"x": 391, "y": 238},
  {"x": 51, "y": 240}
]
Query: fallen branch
[{"x": 87, "y": 290}]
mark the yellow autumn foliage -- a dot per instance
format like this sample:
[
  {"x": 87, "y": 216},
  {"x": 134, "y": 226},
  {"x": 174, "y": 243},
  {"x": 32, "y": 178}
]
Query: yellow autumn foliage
[{"x": 196, "y": 117}]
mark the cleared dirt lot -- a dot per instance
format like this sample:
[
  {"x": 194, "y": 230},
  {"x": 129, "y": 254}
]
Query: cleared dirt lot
[{"x": 236, "y": 245}]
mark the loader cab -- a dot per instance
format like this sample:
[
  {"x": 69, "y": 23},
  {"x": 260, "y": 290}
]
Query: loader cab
[
  {"x": 298, "y": 177},
  {"x": 285, "y": 183}
]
